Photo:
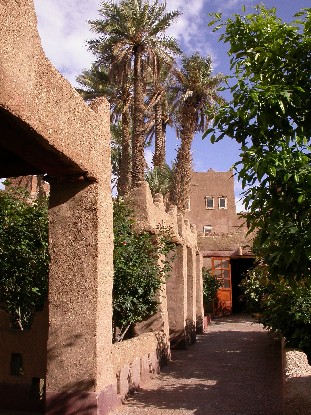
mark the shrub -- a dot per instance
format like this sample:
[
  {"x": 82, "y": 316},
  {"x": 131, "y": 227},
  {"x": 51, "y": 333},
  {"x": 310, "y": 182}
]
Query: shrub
[
  {"x": 282, "y": 306},
  {"x": 24, "y": 255},
  {"x": 210, "y": 286},
  {"x": 140, "y": 269}
]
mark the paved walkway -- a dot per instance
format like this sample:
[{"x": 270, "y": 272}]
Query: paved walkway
[{"x": 233, "y": 369}]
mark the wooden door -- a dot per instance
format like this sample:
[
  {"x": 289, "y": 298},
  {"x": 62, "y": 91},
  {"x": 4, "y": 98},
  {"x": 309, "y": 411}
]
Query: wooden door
[{"x": 221, "y": 270}]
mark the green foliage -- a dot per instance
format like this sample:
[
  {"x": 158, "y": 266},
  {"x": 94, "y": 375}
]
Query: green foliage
[
  {"x": 210, "y": 286},
  {"x": 24, "y": 255},
  {"x": 159, "y": 180},
  {"x": 140, "y": 268},
  {"x": 281, "y": 306},
  {"x": 132, "y": 48},
  {"x": 269, "y": 116}
]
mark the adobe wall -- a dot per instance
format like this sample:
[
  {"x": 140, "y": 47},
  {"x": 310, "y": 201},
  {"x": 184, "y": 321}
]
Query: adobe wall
[
  {"x": 183, "y": 291},
  {"x": 23, "y": 363},
  {"x": 213, "y": 184},
  {"x": 35, "y": 95},
  {"x": 231, "y": 244},
  {"x": 135, "y": 362},
  {"x": 46, "y": 128}
]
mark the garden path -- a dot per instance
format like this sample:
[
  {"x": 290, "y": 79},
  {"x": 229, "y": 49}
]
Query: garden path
[{"x": 235, "y": 368}]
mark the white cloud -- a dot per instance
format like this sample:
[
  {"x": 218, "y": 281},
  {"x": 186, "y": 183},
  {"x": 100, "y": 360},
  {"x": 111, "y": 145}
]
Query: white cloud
[
  {"x": 64, "y": 30},
  {"x": 190, "y": 28}
]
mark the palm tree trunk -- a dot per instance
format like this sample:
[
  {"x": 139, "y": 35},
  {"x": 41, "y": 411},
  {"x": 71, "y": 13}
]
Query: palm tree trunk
[
  {"x": 125, "y": 178},
  {"x": 159, "y": 150},
  {"x": 138, "y": 139},
  {"x": 180, "y": 191}
]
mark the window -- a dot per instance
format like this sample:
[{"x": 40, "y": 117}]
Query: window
[
  {"x": 222, "y": 202},
  {"x": 207, "y": 229},
  {"x": 209, "y": 202}
]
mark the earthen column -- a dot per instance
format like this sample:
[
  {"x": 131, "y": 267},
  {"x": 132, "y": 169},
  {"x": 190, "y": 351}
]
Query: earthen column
[
  {"x": 79, "y": 369},
  {"x": 199, "y": 296},
  {"x": 176, "y": 289},
  {"x": 191, "y": 293}
]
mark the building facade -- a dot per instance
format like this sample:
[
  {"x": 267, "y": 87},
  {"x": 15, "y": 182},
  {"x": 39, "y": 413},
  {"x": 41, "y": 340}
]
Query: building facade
[
  {"x": 222, "y": 235},
  {"x": 211, "y": 205}
]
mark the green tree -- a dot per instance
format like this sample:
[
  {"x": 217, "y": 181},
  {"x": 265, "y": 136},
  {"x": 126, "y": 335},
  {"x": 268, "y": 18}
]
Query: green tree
[
  {"x": 24, "y": 255},
  {"x": 195, "y": 90},
  {"x": 132, "y": 39},
  {"x": 269, "y": 116},
  {"x": 161, "y": 105},
  {"x": 140, "y": 269}
]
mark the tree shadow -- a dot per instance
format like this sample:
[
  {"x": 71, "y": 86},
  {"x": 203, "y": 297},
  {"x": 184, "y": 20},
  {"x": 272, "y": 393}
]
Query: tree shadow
[
  {"x": 225, "y": 372},
  {"x": 298, "y": 396}
]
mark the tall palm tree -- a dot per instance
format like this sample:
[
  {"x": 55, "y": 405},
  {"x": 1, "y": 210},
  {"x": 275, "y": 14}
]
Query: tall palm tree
[
  {"x": 132, "y": 38},
  {"x": 102, "y": 81},
  {"x": 195, "y": 90},
  {"x": 158, "y": 90}
]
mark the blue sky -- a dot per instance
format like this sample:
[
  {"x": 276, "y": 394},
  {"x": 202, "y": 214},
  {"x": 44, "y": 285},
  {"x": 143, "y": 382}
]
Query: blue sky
[{"x": 64, "y": 30}]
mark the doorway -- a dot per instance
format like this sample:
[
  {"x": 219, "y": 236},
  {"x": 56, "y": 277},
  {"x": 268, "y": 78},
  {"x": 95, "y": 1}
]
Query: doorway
[{"x": 239, "y": 267}]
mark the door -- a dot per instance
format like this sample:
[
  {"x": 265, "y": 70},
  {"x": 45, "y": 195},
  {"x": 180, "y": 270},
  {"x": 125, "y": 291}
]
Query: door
[{"x": 221, "y": 270}]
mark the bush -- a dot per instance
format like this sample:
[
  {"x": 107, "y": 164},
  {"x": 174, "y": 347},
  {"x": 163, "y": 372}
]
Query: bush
[
  {"x": 282, "y": 306},
  {"x": 210, "y": 287},
  {"x": 24, "y": 255},
  {"x": 139, "y": 270}
]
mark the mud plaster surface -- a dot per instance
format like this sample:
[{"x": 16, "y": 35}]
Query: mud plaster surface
[{"x": 235, "y": 368}]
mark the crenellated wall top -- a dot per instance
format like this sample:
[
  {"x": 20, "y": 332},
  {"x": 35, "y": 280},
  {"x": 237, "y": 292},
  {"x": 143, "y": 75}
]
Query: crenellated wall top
[{"x": 151, "y": 212}]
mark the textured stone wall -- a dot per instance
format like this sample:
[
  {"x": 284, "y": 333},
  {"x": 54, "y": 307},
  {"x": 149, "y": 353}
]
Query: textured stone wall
[
  {"x": 23, "y": 356},
  {"x": 34, "y": 95},
  {"x": 183, "y": 290},
  {"x": 46, "y": 128},
  {"x": 135, "y": 362}
]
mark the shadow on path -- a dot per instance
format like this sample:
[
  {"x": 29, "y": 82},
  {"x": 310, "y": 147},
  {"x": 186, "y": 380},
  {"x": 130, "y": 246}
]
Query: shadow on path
[{"x": 235, "y": 368}]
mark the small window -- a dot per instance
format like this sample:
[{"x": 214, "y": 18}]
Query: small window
[
  {"x": 209, "y": 202},
  {"x": 222, "y": 202},
  {"x": 207, "y": 229}
]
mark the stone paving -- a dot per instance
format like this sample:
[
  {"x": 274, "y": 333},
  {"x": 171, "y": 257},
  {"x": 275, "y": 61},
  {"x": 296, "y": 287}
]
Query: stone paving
[{"x": 235, "y": 368}]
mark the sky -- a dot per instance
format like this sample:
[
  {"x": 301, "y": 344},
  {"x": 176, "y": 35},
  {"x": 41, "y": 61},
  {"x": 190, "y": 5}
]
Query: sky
[{"x": 64, "y": 29}]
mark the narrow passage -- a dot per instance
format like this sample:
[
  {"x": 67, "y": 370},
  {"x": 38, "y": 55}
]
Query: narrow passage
[{"x": 235, "y": 368}]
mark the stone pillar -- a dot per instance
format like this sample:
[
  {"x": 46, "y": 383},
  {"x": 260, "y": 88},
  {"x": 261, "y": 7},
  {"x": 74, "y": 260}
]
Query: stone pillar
[
  {"x": 191, "y": 294},
  {"x": 176, "y": 288},
  {"x": 79, "y": 368},
  {"x": 199, "y": 297}
]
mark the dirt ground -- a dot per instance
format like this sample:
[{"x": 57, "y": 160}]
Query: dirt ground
[{"x": 233, "y": 369}]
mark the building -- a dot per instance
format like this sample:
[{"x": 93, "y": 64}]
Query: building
[
  {"x": 222, "y": 235},
  {"x": 212, "y": 202}
]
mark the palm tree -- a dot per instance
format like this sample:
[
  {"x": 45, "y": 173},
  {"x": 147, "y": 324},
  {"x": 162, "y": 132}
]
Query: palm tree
[
  {"x": 160, "y": 105},
  {"x": 132, "y": 39},
  {"x": 195, "y": 90},
  {"x": 101, "y": 81},
  {"x": 159, "y": 180}
]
